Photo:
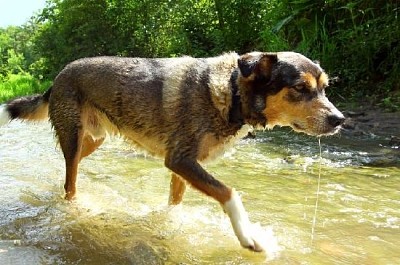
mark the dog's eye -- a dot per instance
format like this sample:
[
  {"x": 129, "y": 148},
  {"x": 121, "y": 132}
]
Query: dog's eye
[
  {"x": 300, "y": 88},
  {"x": 300, "y": 92}
]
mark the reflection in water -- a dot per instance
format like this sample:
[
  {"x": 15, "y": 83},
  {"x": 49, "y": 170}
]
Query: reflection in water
[{"x": 121, "y": 214}]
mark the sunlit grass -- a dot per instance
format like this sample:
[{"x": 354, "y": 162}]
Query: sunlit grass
[{"x": 21, "y": 85}]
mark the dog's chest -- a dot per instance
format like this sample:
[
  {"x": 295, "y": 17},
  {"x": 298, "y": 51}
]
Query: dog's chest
[{"x": 210, "y": 146}]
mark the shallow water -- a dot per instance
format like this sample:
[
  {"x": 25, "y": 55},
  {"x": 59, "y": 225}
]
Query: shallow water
[{"x": 121, "y": 214}]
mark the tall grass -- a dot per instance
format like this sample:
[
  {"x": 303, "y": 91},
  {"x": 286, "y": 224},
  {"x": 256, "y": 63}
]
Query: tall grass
[{"x": 14, "y": 85}]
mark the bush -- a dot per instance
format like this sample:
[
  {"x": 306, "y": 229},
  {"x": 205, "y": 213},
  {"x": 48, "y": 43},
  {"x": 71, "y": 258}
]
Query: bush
[
  {"x": 19, "y": 85},
  {"x": 357, "y": 42}
]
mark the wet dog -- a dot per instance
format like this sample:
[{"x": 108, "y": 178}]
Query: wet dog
[{"x": 184, "y": 110}]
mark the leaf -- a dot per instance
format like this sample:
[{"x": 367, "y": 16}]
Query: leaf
[{"x": 283, "y": 22}]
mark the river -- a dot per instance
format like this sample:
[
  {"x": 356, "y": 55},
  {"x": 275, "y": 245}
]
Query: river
[{"x": 121, "y": 214}]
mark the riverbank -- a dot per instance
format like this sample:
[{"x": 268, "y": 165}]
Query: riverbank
[{"x": 372, "y": 121}]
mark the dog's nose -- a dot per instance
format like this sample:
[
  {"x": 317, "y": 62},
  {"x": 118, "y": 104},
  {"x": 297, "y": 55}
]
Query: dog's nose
[{"x": 336, "y": 120}]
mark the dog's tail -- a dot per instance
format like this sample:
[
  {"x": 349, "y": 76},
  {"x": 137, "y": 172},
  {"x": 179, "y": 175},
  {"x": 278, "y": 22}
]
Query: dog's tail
[{"x": 31, "y": 108}]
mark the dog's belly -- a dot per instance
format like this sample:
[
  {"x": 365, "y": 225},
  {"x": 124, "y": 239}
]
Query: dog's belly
[
  {"x": 97, "y": 124},
  {"x": 209, "y": 148},
  {"x": 153, "y": 145}
]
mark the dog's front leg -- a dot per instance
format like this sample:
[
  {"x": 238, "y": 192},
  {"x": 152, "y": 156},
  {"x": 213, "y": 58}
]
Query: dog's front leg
[
  {"x": 249, "y": 235},
  {"x": 193, "y": 173}
]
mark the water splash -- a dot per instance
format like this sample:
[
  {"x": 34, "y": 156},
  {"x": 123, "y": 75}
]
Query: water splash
[{"x": 317, "y": 194}]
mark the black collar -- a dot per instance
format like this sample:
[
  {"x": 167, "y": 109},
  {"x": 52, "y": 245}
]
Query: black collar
[{"x": 235, "y": 113}]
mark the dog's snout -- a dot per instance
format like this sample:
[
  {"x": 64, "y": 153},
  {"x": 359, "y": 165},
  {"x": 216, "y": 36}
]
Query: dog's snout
[{"x": 336, "y": 120}]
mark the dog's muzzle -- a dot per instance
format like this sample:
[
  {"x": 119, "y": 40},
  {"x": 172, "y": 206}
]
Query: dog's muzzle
[
  {"x": 336, "y": 120},
  {"x": 333, "y": 123}
]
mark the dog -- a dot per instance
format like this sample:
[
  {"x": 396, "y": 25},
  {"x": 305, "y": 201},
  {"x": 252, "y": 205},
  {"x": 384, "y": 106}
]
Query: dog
[{"x": 185, "y": 110}]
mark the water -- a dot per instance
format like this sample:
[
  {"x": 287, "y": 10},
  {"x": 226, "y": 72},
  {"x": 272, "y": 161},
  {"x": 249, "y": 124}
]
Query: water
[{"x": 121, "y": 214}]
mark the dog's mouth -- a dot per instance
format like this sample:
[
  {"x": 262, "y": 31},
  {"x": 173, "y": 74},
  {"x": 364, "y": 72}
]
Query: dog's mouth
[
  {"x": 321, "y": 130},
  {"x": 297, "y": 127}
]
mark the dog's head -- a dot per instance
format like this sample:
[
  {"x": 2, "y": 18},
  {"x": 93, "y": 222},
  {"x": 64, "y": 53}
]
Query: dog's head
[{"x": 288, "y": 89}]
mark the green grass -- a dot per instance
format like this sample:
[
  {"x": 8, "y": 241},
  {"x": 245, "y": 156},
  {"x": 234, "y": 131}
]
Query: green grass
[{"x": 21, "y": 85}]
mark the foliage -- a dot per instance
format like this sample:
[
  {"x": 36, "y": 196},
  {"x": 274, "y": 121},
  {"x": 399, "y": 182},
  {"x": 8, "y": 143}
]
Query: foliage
[
  {"x": 17, "y": 51},
  {"x": 357, "y": 41},
  {"x": 21, "y": 84}
]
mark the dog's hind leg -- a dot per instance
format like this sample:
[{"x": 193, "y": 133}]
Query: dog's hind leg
[
  {"x": 65, "y": 111},
  {"x": 89, "y": 145},
  {"x": 75, "y": 146},
  {"x": 71, "y": 145},
  {"x": 177, "y": 189}
]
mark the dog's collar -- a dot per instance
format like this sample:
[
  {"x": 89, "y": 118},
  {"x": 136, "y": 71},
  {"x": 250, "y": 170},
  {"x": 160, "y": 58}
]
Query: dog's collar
[{"x": 235, "y": 113}]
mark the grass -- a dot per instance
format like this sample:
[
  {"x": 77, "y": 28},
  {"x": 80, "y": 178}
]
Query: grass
[{"x": 21, "y": 85}]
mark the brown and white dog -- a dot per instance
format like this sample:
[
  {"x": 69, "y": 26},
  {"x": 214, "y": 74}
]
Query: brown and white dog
[{"x": 184, "y": 110}]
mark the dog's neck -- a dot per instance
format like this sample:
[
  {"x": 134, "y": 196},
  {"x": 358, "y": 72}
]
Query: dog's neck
[
  {"x": 235, "y": 113},
  {"x": 246, "y": 105}
]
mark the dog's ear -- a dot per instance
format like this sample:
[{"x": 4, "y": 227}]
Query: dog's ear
[{"x": 257, "y": 63}]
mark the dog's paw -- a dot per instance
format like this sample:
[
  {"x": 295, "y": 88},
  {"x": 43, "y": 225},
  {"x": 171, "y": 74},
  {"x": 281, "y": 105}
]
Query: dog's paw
[
  {"x": 253, "y": 237},
  {"x": 70, "y": 196}
]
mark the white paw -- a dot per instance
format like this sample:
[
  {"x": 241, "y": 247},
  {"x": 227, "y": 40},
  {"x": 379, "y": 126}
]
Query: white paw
[{"x": 253, "y": 237}]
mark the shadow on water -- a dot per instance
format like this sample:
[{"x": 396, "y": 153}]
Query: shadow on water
[{"x": 121, "y": 214}]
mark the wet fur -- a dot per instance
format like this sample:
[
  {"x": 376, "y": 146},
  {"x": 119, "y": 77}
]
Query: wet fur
[{"x": 185, "y": 110}]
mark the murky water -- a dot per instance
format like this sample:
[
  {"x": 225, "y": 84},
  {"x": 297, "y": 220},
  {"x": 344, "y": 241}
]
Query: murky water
[{"x": 121, "y": 214}]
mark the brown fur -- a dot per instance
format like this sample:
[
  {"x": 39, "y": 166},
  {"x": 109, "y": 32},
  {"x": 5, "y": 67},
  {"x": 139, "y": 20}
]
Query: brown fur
[
  {"x": 185, "y": 110},
  {"x": 178, "y": 108}
]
